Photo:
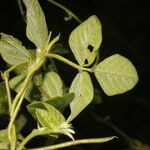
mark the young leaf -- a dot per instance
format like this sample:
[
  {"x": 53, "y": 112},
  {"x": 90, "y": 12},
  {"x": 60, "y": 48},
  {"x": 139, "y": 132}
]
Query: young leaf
[
  {"x": 12, "y": 50},
  {"x": 4, "y": 143},
  {"x": 49, "y": 118},
  {"x": 83, "y": 88},
  {"x": 3, "y": 99},
  {"x": 36, "y": 30},
  {"x": 116, "y": 75},
  {"x": 85, "y": 40},
  {"x": 59, "y": 103},
  {"x": 52, "y": 85},
  {"x": 53, "y": 119}
]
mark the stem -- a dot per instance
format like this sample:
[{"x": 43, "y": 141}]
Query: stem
[
  {"x": 70, "y": 13},
  {"x": 28, "y": 138},
  {"x": 70, "y": 63},
  {"x": 13, "y": 139},
  {"x": 21, "y": 10},
  {"x": 11, "y": 133},
  {"x": 48, "y": 47},
  {"x": 6, "y": 78},
  {"x": 34, "y": 133},
  {"x": 97, "y": 60},
  {"x": 76, "y": 142},
  {"x": 15, "y": 111}
]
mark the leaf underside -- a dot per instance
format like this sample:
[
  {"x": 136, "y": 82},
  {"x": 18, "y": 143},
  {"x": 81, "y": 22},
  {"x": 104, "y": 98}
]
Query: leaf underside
[
  {"x": 83, "y": 88},
  {"x": 12, "y": 50},
  {"x": 85, "y": 41},
  {"x": 116, "y": 75},
  {"x": 60, "y": 103},
  {"x": 36, "y": 30},
  {"x": 52, "y": 85}
]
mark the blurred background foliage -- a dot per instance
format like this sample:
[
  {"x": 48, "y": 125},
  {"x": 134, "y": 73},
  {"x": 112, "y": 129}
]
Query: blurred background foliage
[{"x": 125, "y": 31}]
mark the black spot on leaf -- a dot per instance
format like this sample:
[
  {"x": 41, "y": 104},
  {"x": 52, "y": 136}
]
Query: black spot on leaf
[
  {"x": 85, "y": 61},
  {"x": 90, "y": 48}
]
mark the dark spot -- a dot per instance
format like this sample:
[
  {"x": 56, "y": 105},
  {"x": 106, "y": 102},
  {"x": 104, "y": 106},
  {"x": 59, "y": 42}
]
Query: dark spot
[
  {"x": 86, "y": 61},
  {"x": 90, "y": 48}
]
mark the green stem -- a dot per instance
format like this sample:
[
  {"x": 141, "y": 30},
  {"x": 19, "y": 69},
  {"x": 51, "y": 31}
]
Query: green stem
[
  {"x": 20, "y": 96},
  {"x": 12, "y": 131},
  {"x": 21, "y": 10},
  {"x": 70, "y": 13},
  {"x": 6, "y": 78},
  {"x": 70, "y": 63},
  {"x": 28, "y": 138},
  {"x": 48, "y": 47},
  {"x": 13, "y": 139},
  {"x": 34, "y": 133},
  {"x": 75, "y": 142}
]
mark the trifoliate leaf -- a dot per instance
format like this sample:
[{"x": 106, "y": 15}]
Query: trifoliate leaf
[
  {"x": 3, "y": 99},
  {"x": 85, "y": 40},
  {"x": 52, "y": 85},
  {"x": 116, "y": 75},
  {"x": 83, "y": 88},
  {"x": 36, "y": 30},
  {"x": 12, "y": 51}
]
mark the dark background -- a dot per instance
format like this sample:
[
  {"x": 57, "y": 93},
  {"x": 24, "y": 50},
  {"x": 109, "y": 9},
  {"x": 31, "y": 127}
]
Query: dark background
[{"x": 125, "y": 31}]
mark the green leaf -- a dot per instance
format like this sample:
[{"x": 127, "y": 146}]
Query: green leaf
[
  {"x": 50, "y": 118},
  {"x": 33, "y": 106},
  {"x": 16, "y": 82},
  {"x": 83, "y": 89},
  {"x": 85, "y": 40},
  {"x": 59, "y": 48},
  {"x": 20, "y": 122},
  {"x": 36, "y": 30},
  {"x": 23, "y": 68},
  {"x": 60, "y": 103},
  {"x": 12, "y": 50},
  {"x": 32, "y": 92},
  {"x": 3, "y": 99},
  {"x": 4, "y": 143},
  {"x": 38, "y": 79},
  {"x": 52, "y": 85},
  {"x": 116, "y": 75}
]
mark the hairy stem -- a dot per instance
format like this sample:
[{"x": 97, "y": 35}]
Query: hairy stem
[
  {"x": 75, "y": 142},
  {"x": 34, "y": 133},
  {"x": 70, "y": 63},
  {"x": 15, "y": 106},
  {"x": 6, "y": 79},
  {"x": 21, "y": 10},
  {"x": 11, "y": 133}
]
